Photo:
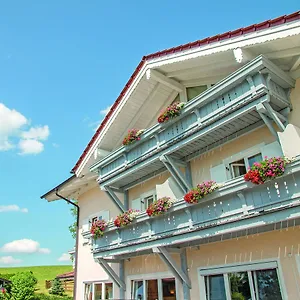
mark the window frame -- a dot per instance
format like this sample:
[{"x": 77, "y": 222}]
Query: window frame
[
  {"x": 245, "y": 155},
  {"x": 240, "y": 267},
  {"x": 146, "y": 195},
  {"x": 92, "y": 284},
  {"x": 96, "y": 216}
]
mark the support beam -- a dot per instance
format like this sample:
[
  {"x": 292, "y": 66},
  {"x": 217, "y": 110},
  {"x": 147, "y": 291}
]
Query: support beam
[
  {"x": 274, "y": 116},
  {"x": 261, "y": 111},
  {"x": 243, "y": 55},
  {"x": 169, "y": 261},
  {"x": 122, "y": 278},
  {"x": 114, "y": 197},
  {"x": 159, "y": 77},
  {"x": 184, "y": 268},
  {"x": 178, "y": 172},
  {"x": 296, "y": 64},
  {"x": 111, "y": 273},
  {"x": 126, "y": 200}
]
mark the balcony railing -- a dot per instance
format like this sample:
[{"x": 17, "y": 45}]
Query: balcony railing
[
  {"x": 237, "y": 205},
  {"x": 223, "y": 112}
]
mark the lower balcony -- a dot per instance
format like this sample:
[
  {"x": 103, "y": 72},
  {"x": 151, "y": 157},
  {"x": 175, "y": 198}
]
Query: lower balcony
[{"x": 238, "y": 208}]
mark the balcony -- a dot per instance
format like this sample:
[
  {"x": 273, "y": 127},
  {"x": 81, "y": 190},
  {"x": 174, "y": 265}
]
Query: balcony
[
  {"x": 226, "y": 111},
  {"x": 236, "y": 209}
]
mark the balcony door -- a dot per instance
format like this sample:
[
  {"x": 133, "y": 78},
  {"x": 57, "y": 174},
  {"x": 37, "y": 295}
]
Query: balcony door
[{"x": 154, "y": 289}]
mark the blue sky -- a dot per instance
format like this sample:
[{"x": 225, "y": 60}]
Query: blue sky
[{"x": 62, "y": 63}]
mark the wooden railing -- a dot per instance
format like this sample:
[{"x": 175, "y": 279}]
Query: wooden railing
[
  {"x": 234, "y": 97},
  {"x": 235, "y": 205}
]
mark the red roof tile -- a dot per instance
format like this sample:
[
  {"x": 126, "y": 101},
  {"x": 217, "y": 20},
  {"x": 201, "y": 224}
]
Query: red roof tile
[
  {"x": 66, "y": 275},
  {"x": 227, "y": 35}
]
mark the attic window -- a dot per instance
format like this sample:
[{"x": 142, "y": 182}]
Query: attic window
[{"x": 194, "y": 91}]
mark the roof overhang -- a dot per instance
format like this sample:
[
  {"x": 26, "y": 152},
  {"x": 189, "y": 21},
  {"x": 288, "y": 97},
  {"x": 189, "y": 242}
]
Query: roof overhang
[{"x": 208, "y": 59}]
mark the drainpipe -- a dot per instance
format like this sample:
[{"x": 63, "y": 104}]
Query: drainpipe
[{"x": 77, "y": 240}]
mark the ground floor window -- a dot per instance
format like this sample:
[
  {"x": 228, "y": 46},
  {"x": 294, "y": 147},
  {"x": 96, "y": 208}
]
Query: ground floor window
[
  {"x": 98, "y": 290},
  {"x": 154, "y": 289},
  {"x": 259, "y": 281}
]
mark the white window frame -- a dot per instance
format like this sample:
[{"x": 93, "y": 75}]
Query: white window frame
[
  {"x": 241, "y": 267},
  {"x": 96, "y": 215},
  {"x": 151, "y": 276},
  {"x": 92, "y": 283},
  {"x": 145, "y": 195},
  {"x": 257, "y": 149}
]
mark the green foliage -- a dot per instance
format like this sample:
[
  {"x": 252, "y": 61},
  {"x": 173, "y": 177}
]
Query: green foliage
[
  {"x": 57, "y": 288},
  {"x": 42, "y": 273},
  {"x": 73, "y": 226},
  {"x": 23, "y": 286},
  {"x": 51, "y": 297},
  {"x": 7, "y": 276},
  {"x": 237, "y": 296}
]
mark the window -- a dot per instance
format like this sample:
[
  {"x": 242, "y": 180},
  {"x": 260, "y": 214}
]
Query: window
[
  {"x": 144, "y": 201},
  {"x": 102, "y": 215},
  {"x": 194, "y": 91},
  {"x": 239, "y": 167},
  {"x": 100, "y": 290},
  {"x": 153, "y": 289},
  {"x": 248, "y": 282}
]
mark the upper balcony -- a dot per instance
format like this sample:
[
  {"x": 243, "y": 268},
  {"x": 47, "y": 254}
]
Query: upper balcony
[
  {"x": 241, "y": 102},
  {"x": 238, "y": 208}
]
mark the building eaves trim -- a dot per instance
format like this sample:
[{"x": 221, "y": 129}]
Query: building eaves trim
[{"x": 210, "y": 40}]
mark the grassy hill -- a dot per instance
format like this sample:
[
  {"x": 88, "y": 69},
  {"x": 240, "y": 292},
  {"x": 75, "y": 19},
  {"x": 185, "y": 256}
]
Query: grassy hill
[{"x": 42, "y": 273}]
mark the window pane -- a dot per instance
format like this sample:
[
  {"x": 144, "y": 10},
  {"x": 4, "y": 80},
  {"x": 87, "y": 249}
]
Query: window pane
[
  {"x": 88, "y": 295},
  {"x": 108, "y": 290},
  {"x": 238, "y": 168},
  {"x": 254, "y": 158},
  {"x": 215, "y": 288},
  {"x": 239, "y": 286},
  {"x": 152, "y": 289},
  {"x": 169, "y": 289},
  {"x": 138, "y": 290},
  {"x": 194, "y": 91},
  {"x": 267, "y": 285},
  {"x": 98, "y": 291}
]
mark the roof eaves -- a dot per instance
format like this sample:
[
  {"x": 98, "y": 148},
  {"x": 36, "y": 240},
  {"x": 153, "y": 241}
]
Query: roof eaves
[{"x": 219, "y": 37}]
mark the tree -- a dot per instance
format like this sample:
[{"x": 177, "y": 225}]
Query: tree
[
  {"x": 23, "y": 286},
  {"x": 73, "y": 226},
  {"x": 57, "y": 288}
]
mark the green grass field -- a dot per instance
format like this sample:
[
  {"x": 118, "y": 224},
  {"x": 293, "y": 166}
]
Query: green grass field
[{"x": 42, "y": 273}]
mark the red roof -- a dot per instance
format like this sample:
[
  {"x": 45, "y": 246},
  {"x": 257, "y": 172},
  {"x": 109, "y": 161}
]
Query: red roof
[
  {"x": 66, "y": 275},
  {"x": 227, "y": 35}
]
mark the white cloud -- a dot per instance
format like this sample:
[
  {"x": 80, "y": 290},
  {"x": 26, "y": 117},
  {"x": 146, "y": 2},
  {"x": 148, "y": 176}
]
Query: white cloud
[
  {"x": 9, "y": 260},
  {"x": 30, "y": 147},
  {"x": 12, "y": 207},
  {"x": 105, "y": 110},
  {"x": 24, "y": 246},
  {"x": 13, "y": 132},
  {"x": 65, "y": 257},
  {"x": 37, "y": 133},
  {"x": 11, "y": 122}
]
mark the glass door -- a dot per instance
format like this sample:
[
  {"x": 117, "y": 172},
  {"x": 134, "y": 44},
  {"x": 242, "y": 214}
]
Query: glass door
[{"x": 138, "y": 290}]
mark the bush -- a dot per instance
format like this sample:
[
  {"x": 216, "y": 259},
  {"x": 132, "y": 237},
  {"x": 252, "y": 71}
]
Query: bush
[
  {"x": 6, "y": 276},
  {"x": 51, "y": 297},
  {"x": 57, "y": 288},
  {"x": 23, "y": 286}
]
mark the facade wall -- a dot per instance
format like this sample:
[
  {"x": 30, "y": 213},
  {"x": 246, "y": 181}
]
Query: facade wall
[
  {"x": 88, "y": 270},
  {"x": 281, "y": 245}
]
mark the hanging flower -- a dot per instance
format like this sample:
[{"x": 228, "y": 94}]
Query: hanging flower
[
  {"x": 159, "y": 206},
  {"x": 132, "y": 136},
  {"x": 170, "y": 112},
  {"x": 126, "y": 218},
  {"x": 98, "y": 228},
  {"x": 267, "y": 169},
  {"x": 202, "y": 189}
]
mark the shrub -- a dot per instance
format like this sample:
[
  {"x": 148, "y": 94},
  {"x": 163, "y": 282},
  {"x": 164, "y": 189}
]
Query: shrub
[
  {"x": 57, "y": 288},
  {"x": 267, "y": 169},
  {"x": 159, "y": 206},
  {"x": 51, "y": 297},
  {"x": 97, "y": 229},
  {"x": 132, "y": 136},
  {"x": 170, "y": 112},
  {"x": 23, "y": 286},
  {"x": 126, "y": 218},
  {"x": 202, "y": 189}
]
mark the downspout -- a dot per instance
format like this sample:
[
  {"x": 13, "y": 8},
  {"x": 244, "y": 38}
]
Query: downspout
[{"x": 77, "y": 239}]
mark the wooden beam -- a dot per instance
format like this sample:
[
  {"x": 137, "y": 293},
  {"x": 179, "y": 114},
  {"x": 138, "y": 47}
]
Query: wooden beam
[
  {"x": 169, "y": 261},
  {"x": 296, "y": 64},
  {"x": 159, "y": 77},
  {"x": 114, "y": 197},
  {"x": 274, "y": 116},
  {"x": 111, "y": 273}
]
